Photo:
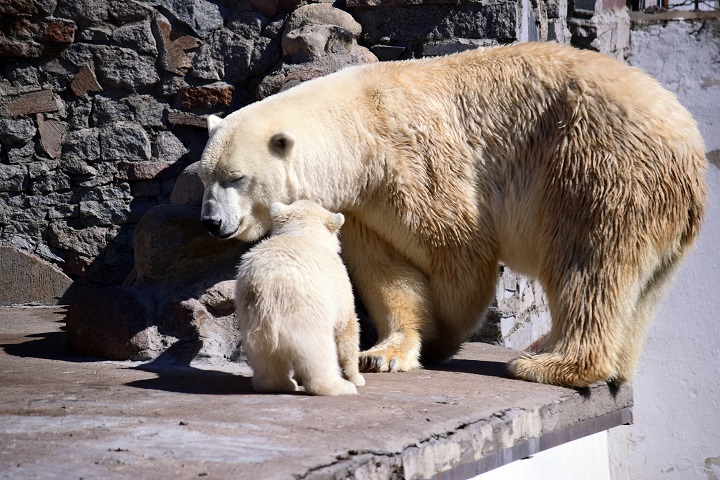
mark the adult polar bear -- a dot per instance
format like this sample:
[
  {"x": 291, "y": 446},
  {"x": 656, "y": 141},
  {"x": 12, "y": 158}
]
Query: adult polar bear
[{"x": 566, "y": 165}]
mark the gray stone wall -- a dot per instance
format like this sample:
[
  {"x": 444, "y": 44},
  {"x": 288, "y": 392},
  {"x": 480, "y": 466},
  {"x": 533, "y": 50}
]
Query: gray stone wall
[
  {"x": 103, "y": 102},
  {"x": 103, "y": 107},
  {"x": 601, "y": 25}
]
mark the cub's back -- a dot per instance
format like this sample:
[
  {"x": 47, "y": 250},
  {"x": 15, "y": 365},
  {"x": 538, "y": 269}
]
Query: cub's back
[{"x": 286, "y": 258}]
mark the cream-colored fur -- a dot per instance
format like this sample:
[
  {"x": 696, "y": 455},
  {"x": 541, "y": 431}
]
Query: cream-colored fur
[
  {"x": 295, "y": 305},
  {"x": 566, "y": 165}
]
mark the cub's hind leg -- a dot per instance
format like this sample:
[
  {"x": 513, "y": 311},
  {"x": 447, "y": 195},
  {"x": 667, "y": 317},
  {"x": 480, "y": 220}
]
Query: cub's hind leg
[
  {"x": 347, "y": 339},
  {"x": 271, "y": 371},
  {"x": 315, "y": 359}
]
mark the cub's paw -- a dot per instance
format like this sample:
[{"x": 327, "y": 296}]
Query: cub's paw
[
  {"x": 265, "y": 384},
  {"x": 356, "y": 379},
  {"x": 555, "y": 369},
  {"x": 331, "y": 388},
  {"x": 388, "y": 359}
]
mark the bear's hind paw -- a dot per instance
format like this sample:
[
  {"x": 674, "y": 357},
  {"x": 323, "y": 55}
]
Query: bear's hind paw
[{"x": 554, "y": 369}]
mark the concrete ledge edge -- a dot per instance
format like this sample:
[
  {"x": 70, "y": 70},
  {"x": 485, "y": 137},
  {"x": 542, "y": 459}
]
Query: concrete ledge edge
[{"x": 536, "y": 445}]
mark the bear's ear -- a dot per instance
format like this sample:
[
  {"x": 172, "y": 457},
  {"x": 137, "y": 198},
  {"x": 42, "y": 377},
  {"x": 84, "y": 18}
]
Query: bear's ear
[
  {"x": 213, "y": 121},
  {"x": 334, "y": 222},
  {"x": 281, "y": 143},
  {"x": 276, "y": 209}
]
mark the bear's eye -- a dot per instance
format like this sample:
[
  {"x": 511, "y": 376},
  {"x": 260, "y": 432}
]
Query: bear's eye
[{"x": 236, "y": 180}]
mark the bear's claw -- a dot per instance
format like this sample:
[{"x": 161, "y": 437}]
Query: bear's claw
[
  {"x": 372, "y": 363},
  {"x": 384, "y": 360}
]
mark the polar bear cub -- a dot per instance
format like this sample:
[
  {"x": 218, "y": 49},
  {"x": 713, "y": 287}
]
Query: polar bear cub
[{"x": 295, "y": 305}]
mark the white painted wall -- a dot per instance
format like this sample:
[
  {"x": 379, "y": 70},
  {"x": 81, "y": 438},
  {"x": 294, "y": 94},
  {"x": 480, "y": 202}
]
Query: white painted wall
[
  {"x": 685, "y": 57},
  {"x": 582, "y": 459},
  {"x": 676, "y": 435}
]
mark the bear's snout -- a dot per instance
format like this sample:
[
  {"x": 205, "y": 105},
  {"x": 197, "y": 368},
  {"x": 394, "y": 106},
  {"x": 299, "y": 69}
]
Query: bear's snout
[{"x": 212, "y": 225}]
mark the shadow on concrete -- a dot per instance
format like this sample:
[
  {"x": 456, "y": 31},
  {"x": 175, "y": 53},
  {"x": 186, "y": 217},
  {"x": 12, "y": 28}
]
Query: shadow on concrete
[
  {"x": 46, "y": 345},
  {"x": 179, "y": 376},
  {"x": 172, "y": 375},
  {"x": 479, "y": 367},
  {"x": 499, "y": 370},
  {"x": 195, "y": 381},
  {"x": 49, "y": 346}
]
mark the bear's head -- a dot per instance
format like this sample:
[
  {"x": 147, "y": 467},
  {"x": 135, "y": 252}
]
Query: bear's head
[
  {"x": 243, "y": 169},
  {"x": 304, "y": 215}
]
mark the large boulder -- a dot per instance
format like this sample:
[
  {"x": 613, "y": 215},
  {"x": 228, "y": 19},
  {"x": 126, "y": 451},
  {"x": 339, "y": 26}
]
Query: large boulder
[
  {"x": 318, "y": 39},
  {"x": 178, "y": 300},
  {"x": 113, "y": 323},
  {"x": 27, "y": 279},
  {"x": 188, "y": 189},
  {"x": 171, "y": 247}
]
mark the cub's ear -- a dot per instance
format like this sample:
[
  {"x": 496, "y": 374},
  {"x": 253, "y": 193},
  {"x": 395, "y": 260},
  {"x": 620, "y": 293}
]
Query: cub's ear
[
  {"x": 213, "y": 121},
  {"x": 276, "y": 209},
  {"x": 334, "y": 222},
  {"x": 281, "y": 143}
]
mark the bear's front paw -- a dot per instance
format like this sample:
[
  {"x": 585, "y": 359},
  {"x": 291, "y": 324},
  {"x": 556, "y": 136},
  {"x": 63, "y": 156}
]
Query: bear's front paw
[{"x": 388, "y": 359}]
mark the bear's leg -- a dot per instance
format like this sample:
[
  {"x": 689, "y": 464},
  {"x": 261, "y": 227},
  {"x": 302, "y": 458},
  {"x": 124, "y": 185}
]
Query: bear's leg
[
  {"x": 271, "y": 372},
  {"x": 316, "y": 362},
  {"x": 590, "y": 313},
  {"x": 395, "y": 294},
  {"x": 466, "y": 296},
  {"x": 347, "y": 338},
  {"x": 636, "y": 330}
]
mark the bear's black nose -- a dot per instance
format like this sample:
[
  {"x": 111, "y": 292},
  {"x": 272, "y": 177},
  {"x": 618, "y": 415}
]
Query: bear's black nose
[{"x": 212, "y": 225}]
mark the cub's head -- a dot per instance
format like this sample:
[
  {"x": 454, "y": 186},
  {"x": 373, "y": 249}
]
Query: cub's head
[
  {"x": 304, "y": 215},
  {"x": 244, "y": 170}
]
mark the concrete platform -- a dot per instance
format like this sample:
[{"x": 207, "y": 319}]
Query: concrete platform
[{"x": 67, "y": 417}]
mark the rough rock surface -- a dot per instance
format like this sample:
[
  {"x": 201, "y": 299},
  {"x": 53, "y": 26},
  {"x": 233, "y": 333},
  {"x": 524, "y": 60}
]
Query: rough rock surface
[
  {"x": 27, "y": 279},
  {"x": 179, "y": 297},
  {"x": 318, "y": 39},
  {"x": 103, "y": 108}
]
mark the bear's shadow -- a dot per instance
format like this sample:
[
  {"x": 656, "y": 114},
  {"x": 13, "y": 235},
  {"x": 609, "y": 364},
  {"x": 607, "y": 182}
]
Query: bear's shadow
[
  {"x": 195, "y": 381},
  {"x": 485, "y": 368},
  {"x": 179, "y": 376},
  {"x": 499, "y": 370},
  {"x": 171, "y": 375}
]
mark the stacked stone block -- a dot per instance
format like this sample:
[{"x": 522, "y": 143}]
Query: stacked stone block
[
  {"x": 103, "y": 104},
  {"x": 87, "y": 145},
  {"x": 601, "y": 25},
  {"x": 103, "y": 107}
]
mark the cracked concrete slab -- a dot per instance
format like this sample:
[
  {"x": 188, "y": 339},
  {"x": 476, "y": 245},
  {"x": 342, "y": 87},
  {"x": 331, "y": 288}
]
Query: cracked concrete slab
[{"x": 63, "y": 416}]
